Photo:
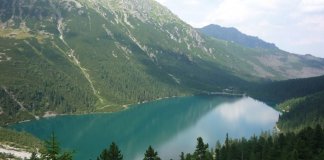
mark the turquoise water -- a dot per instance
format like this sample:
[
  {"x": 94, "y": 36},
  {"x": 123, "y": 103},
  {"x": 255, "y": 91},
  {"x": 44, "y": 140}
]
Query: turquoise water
[{"x": 171, "y": 126}]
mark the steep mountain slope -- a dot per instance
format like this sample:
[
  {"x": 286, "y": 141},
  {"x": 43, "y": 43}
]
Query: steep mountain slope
[
  {"x": 76, "y": 56},
  {"x": 266, "y": 59},
  {"x": 234, "y": 35}
]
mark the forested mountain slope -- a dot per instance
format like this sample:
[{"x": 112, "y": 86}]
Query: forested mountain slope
[
  {"x": 300, "y": 101},
  {"x": 301, "y": 112},
  {"x": 280, "y": 91}
]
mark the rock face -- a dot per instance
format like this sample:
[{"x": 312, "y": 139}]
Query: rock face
[{"x": 76, "y": 56}]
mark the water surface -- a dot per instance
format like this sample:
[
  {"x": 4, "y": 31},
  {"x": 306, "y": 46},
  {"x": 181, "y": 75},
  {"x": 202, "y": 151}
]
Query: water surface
[{"x": 171, "y": 126}]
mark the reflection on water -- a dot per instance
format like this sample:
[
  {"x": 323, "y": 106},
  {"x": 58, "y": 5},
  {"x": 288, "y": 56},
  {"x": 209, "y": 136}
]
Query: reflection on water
[
  {"x": 171, "y": 126},
  {"x": 241, "y": 118}
]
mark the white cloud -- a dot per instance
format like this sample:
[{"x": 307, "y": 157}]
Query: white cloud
[
  {"x": 312, "y": 5},
  {"x": 230, "y": 11},
  {"x": 162, "y": 1},
  {"x": 192, "y": 2}
]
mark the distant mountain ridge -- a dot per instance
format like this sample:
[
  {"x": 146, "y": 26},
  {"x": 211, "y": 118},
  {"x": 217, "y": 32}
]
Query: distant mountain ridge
[
  {"x": 234, "y": 35},
  {"x": 274, "y": 61}
]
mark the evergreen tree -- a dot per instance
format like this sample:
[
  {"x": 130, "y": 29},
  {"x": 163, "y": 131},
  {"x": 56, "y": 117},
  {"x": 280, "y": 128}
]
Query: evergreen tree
[
  {"x": 218, "y": 150},
  {"x": 201, "y": 149},
  {"x": 304, "y": 145},
  {"x": 188, "y": 156},
  {"x": 318, "y": 139},
  {"x": 182, "y": 156},
  {"x": 320, "y": 156},
  {"x": 226, "y": 141},
  {"x": 113, "y": 153},
  {"x": 150, "y": 154},
  {"x": 293, "y": 155},
  {"x": 53, "y": 149}
]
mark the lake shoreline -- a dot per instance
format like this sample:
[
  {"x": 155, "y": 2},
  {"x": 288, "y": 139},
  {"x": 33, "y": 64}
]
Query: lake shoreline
[{"x": 124, "y": 107}]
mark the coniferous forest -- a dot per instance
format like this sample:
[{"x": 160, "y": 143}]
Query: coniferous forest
[{"x": 308, "y": 144}]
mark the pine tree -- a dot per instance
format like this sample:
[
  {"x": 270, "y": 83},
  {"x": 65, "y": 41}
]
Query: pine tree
[
  {"x": 53, "y": 149},
  {"x": 188, "y": 156},
  {"x": 201, "y": 149},
  {"x": 150, "y": 154},
  {"x": 293, "y": 155},
  {"x": 182, "y": 156},
  {"x": 217, "y": 150},
  {"x": 113, "y": 153},
  {"x": 318, "y": 139},
  {"x": 226, "y": 141}
]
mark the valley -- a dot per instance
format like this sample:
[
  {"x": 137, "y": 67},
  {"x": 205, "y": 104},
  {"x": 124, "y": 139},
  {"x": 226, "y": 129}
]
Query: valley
[
  {"x": 112, "y": 62},
  {"x": 97, "y": 56}
]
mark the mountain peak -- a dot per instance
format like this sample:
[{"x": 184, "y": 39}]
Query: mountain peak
[{"x": 232, "y": 34}]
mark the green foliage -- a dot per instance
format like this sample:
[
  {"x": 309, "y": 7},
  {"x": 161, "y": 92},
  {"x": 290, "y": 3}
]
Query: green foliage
[
  {"x": 182, "y": 156},
  {"x": 53, "y": 150},
  {"x": 201, "y": 152},
  {"x": 201, "y": 149},
  {"x": 302, "y": 112},
  {"x": 279, "y": 91},
  {"x": 113, "y": 153},
  {"x": 150, "y": 154},
  {"x": 307, "y": 144}
]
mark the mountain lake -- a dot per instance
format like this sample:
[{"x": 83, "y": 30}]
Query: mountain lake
[{"x": 171, "y": 126}]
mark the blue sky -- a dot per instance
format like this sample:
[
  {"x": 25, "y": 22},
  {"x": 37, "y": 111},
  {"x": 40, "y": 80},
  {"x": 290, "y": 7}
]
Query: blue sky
[{"x": 296, "y": 26}]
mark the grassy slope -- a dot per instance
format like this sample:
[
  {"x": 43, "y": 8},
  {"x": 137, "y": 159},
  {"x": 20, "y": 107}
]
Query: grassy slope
[{"x": 20, "y": 140}]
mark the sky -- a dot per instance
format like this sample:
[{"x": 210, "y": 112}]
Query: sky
[{"x": 296, "y": 26}]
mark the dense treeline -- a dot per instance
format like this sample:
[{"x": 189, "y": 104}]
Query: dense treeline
[
  {"x": 301, "y": 112},
  {"x": 277, "y": 92},
  {"x": 308, "y": 144}
]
